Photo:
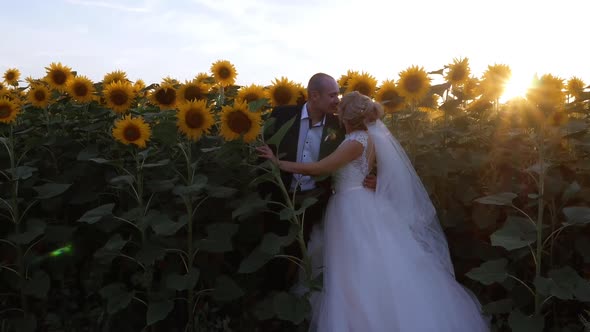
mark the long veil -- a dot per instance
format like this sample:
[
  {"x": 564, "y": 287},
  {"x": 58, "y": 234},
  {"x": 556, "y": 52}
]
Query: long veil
[{"x": 399, "y": 186}]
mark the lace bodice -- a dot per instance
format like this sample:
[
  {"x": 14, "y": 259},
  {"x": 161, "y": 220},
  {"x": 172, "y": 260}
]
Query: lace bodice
[{"x": 352, "y": 174}]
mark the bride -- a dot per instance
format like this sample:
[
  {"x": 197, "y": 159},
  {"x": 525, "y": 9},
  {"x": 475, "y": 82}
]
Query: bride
[{"x": 386, "y": 261}]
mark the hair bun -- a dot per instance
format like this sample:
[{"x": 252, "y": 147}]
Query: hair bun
[{"x": 373, "y": 112}]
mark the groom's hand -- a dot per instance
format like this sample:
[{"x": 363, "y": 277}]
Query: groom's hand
[{"x": 370, "y": 182}]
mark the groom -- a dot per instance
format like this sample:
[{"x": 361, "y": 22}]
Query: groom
[{"x": 315, "y": 133}]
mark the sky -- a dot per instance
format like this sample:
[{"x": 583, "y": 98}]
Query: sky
[{"x": 268, "y": 39}]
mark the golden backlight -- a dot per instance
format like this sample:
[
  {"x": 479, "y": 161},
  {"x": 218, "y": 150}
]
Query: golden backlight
[{"x": 517, "y": 86}]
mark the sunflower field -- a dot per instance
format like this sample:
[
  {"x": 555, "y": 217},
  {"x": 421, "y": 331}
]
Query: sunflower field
[{"x": 133, "y": 207}]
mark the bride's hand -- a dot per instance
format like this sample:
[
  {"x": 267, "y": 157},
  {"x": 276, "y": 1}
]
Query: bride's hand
[{"x": 265, "y": 152}]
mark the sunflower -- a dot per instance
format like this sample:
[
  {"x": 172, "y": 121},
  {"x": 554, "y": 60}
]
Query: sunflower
[
  {"x": 224, "y": 72},
  {"x": 458, "y": 72},
  {"x": 470, "y": 89},
  {"x": 114, "y": 76},
  {"x": 282, "y": 92},
  {"x": 8, "y": 110},
  {"x": 81, "y": 89},
  {"x": 170, "y": 80},
  {"x": 30, "y": 80},
  {"x": 479, "y": 105},
  {"x": 11, "y": 76},
  {"x": 17, "y": 96},
  {"x": 430, "y": 101},
  {"x": 494, "y": 81},
  {"x": 575, "y": 87},
  {"x": 344, "y": 79},
  {"x": 164, "y": 96},
  {"x": 3, "y": 89},
  {"x": 130, "y": 130},
  {"x": 138, "y": 86},
  {"x": 194, "y": 118},
  {"x": 237, "y": 121},
  {"x": 388, "y": 96},
  {"x": 119, "y": 96},
  {"x": 58, "y": 76},
  {"x": 193, "y": 90},
  {"x": 363, "y": 83},
  {"x": 301, "y": 94},
  {"x": 39, "y": 95},
  {"x": 547, "y": 92},
  {"x": 204, "y": 78},
  {"x": 413, "y": 84},
  {"x": 251, "y": 93}
]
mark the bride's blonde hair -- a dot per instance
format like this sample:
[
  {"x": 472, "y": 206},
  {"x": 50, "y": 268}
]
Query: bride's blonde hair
[{"x": 357, "y": 110}]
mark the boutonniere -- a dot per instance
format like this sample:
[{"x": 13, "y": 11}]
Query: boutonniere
[{"x": 330, "y": 135}]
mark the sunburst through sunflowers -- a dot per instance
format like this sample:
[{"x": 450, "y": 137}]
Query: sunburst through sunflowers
[
  {"x": 132, "y": 130},
  {"x": 237, "y": 121}
]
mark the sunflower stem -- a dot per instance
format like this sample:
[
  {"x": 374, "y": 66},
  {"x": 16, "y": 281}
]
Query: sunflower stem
[
  {"x": 46, "y": 113},
  {"x": 295, "y": 219},
  {"x": 540, "y": 210},
  {"x": 221, "y": 95},
  {"x": 16, "y": 220},
  {"x": 190, "y": 172},
  {"x": 139, "y": 193}
]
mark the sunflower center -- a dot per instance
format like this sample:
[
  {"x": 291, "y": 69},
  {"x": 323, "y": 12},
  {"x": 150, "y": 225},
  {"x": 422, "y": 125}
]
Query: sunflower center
[
  {"x": 5, "y": 111},
  {"x": 393, "y": 99},
  {"x": 59, "y": 77},
  {"x": 39, "y": 95},
  {"x": 131, "y": 133},
  {"x": 193, "y": 93},
  {"x": 238, "y": 122},
  {"x": 282, "y": 95},
  {"x": 10, "y": 76},
  {"x": 363, "y": 88},
  {"x": 224, "y": 73},
  {"x": 413, "y": 84},
  {"x": 166, "y": 96},
  {"x": 194, "y": 119},
  {"x": 250, "y": 97},
  {"x": 81, "y": 90},
  {"x": 458, "y": 74},
  {"x": 119, "y": 97}
]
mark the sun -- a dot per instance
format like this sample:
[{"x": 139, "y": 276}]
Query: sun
[{"x": 517, "y": 86}]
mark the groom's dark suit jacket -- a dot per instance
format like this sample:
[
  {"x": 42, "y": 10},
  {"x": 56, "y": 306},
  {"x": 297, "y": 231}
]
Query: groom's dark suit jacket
[
  {"x": 314, "y": 214},
  {"x": 332, "y": 136}
]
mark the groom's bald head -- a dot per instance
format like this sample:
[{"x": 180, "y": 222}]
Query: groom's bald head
[{"x": 319, "y": 83}]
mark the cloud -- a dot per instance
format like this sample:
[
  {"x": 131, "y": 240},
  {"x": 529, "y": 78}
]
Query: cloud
[{"x": 135, "y": 6}]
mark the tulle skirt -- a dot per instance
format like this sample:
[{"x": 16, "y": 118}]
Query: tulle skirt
[{"x": 378, "y": 278}]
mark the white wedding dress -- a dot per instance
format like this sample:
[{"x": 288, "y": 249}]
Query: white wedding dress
[{"x": 377, "y": 275}]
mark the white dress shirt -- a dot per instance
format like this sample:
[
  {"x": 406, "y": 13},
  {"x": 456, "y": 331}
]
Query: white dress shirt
[{"x": 308, "y": 148}]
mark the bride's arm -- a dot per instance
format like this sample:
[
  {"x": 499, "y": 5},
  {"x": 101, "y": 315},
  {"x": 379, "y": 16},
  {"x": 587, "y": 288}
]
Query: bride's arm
[{"x": 345, "y": 153}]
